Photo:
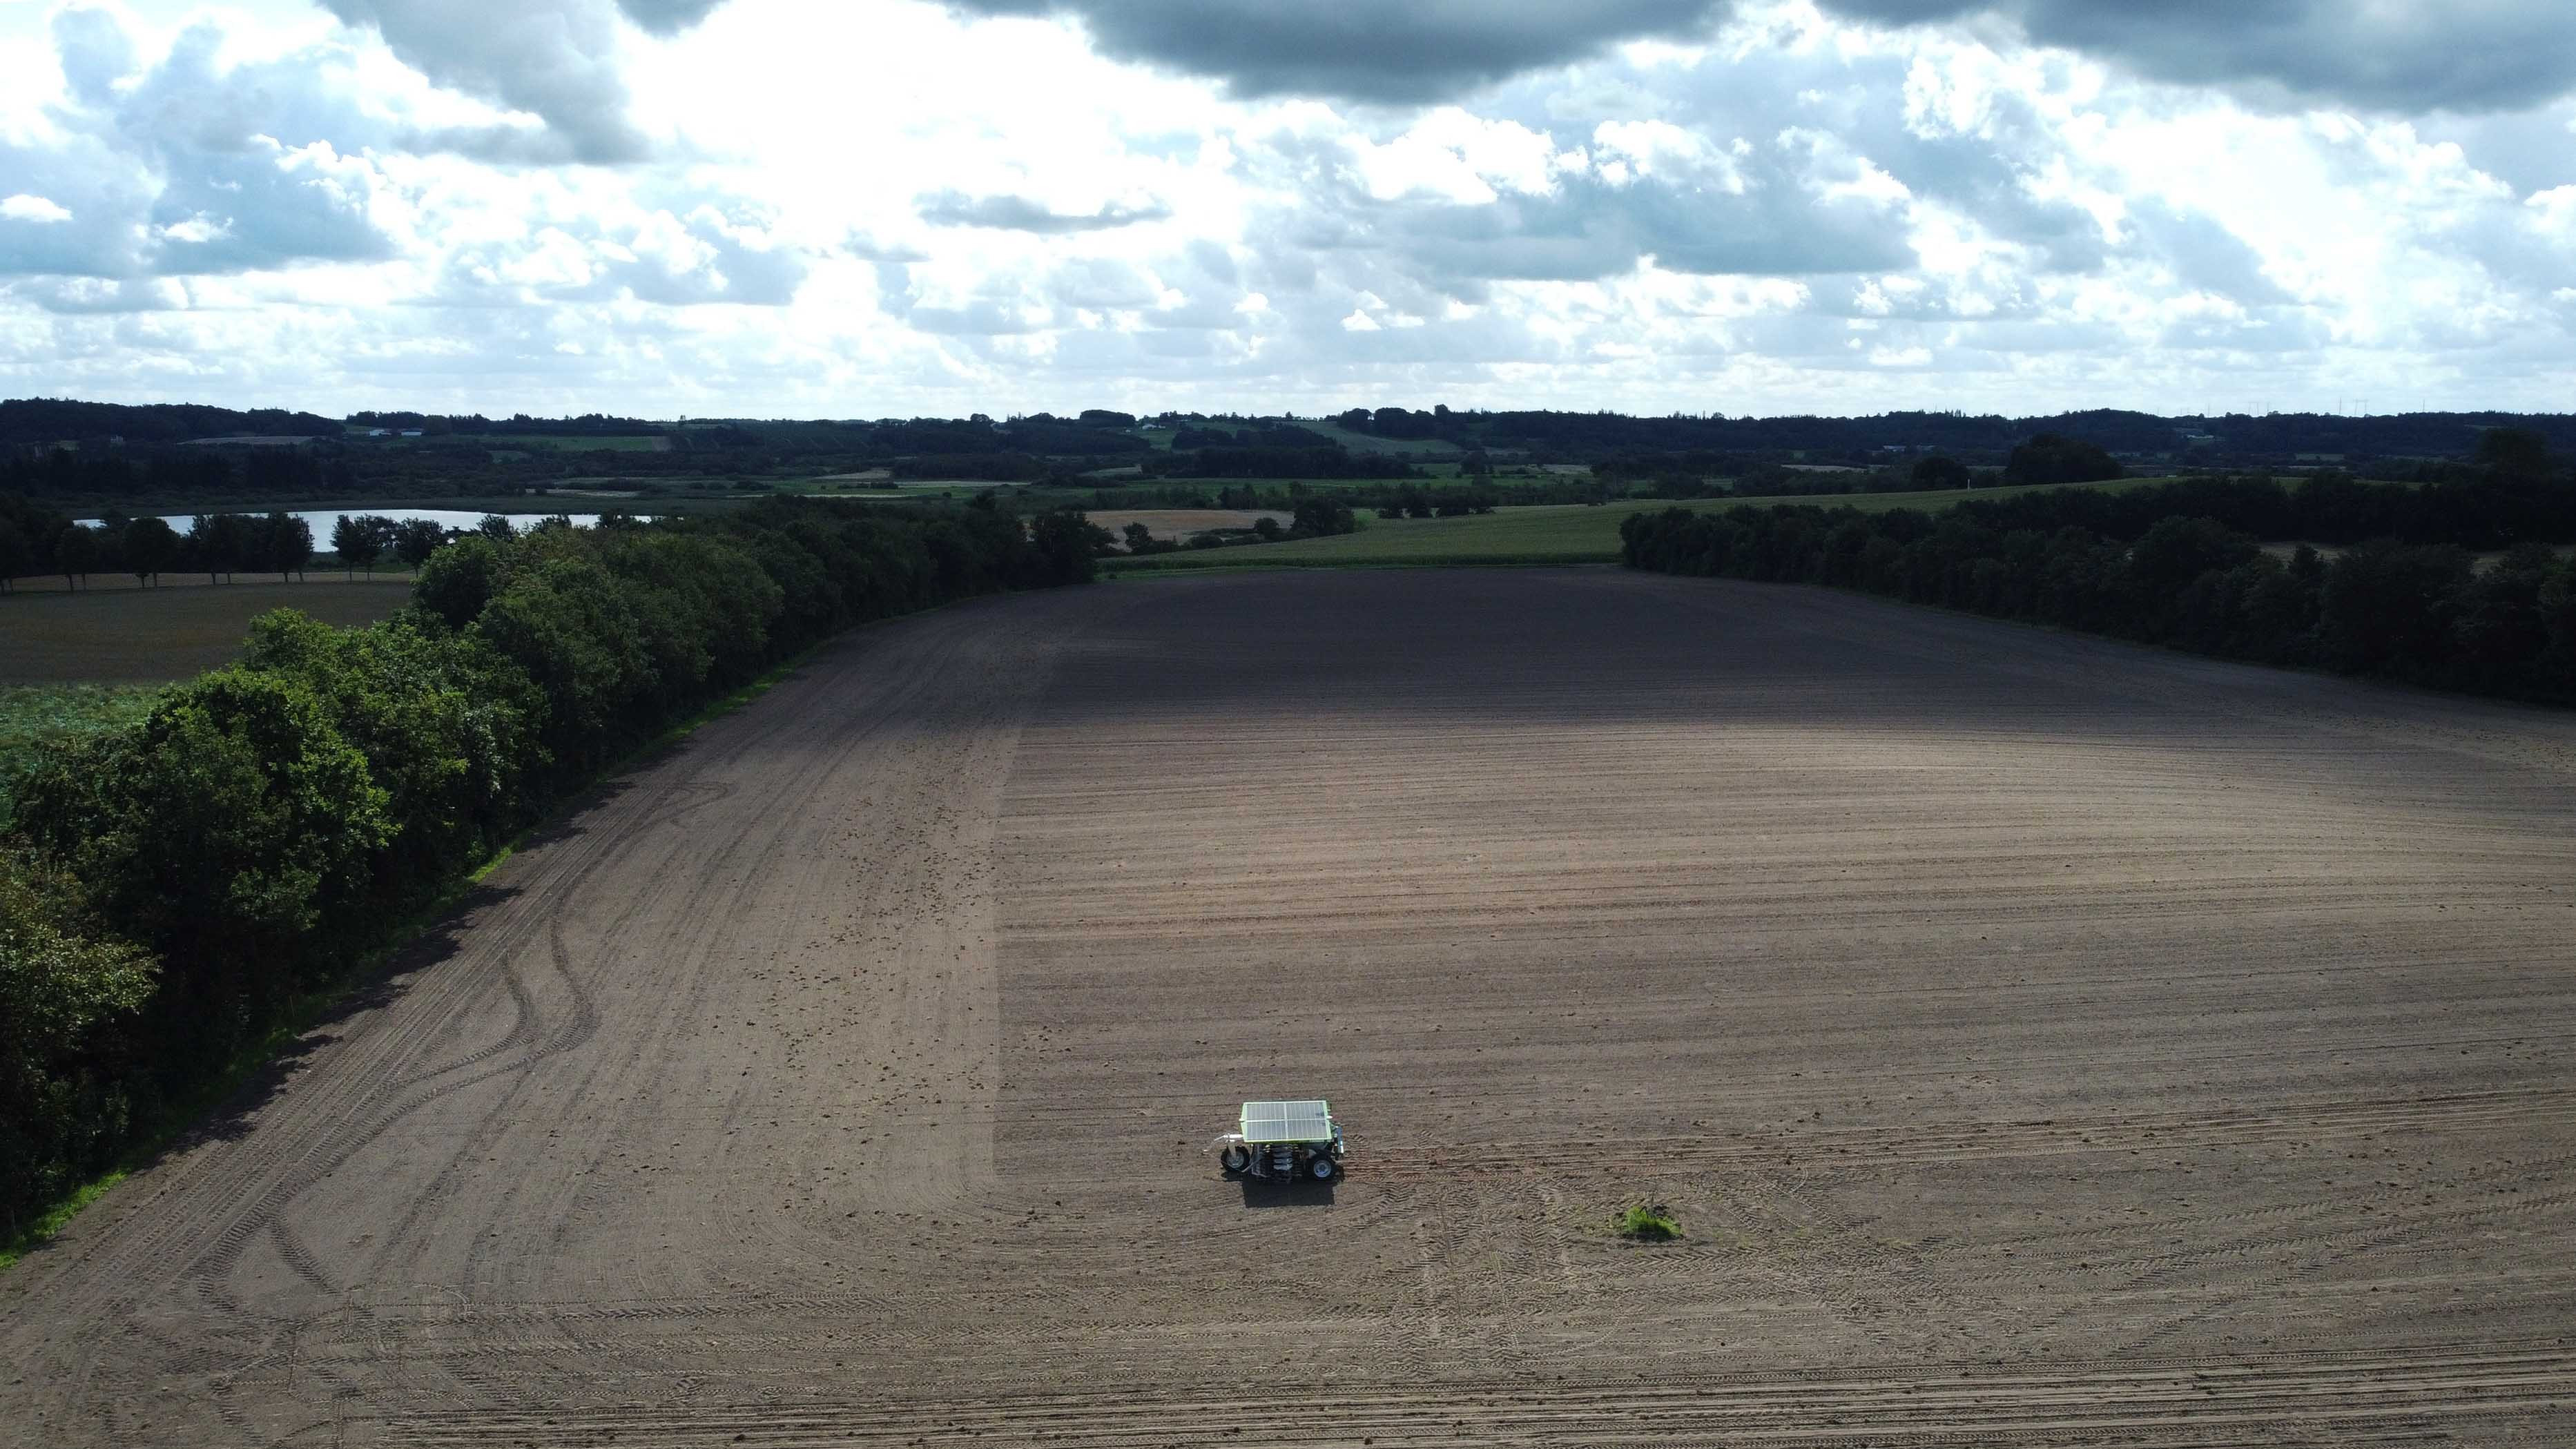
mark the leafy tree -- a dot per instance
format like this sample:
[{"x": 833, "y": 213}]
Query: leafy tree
[
  {"x": 75, "y": 553},
  {"x": 447, "y": 727},
  {"x": 230, "y": 832},
  {"x": 496, "y": 527},
  {"x": 17, "y": 556},
  {"x": 1268, "y": 528},
  {"x": 285, "y": 544},
  {"x": 1940, "y": 471},
  {"x": 2386, "y": 606},
  {"x": 2497, "y": 619},
  {"x": 361, "y": 540},
  {"x": 2179, "y": 550},
  {"x": 64, "y": 984},
  {"x": 2049, "y": 458},
  {"x": 575, "y": 632},
  {"x": 151, "y": 545},
  {"x": 458, "y": 580},
  {"x": 217, "y": 544},
  {"x": 1319, "y": 515},
  {"x": 2520, "y": 454},
  {"x": 416, "y": 539}
]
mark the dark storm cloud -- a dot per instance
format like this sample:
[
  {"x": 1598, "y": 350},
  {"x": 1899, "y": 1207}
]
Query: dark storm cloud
[
  {"x": 555, "y": 59},
  {"x": 1019, "y": 213},
  {"x": 2483, "y": 55},
  {"x": 1373, "y": 50}
]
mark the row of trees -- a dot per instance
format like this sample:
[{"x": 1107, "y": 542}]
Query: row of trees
[
  {"x": 2424, "y": 612},
  {"x": 1436, "y": 503},
  {"x": 171, "y": 888},
  {"x": 218, "y": 545}
]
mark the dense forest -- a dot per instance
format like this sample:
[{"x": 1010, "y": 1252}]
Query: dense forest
[
  {"x": 95, "y": 455},
  {"x": 2402, "y": 595},
  {"x": 169, "y": 891}
]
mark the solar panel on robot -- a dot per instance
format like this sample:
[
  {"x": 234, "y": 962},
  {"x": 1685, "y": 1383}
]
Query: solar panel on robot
[{"x": 1284, "y": 1139}]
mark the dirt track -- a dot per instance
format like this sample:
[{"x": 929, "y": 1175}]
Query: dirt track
[{"x": 2041, "y": 1041}]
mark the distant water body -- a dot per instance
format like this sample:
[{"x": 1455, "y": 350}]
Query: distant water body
[{"x": 321, "y": 520}]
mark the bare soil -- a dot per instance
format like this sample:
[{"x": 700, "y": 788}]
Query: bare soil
[
  {"x": 2039, "y": 1041},
  {"x": 114, "y": 633}
]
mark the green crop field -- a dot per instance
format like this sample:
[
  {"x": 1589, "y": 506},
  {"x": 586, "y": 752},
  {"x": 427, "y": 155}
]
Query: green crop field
[
  {"x": 1371, "y": 443},
  {"x": 577, "y": 443},
  {"x": 154, "y": 636},
  {"x": 1552, "y": 534}
]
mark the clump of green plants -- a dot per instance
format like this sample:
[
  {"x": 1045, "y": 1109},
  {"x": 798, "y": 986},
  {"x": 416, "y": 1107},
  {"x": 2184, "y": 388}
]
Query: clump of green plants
[
  {"x": 1644, "y": 1224},
  {"x": 33, "y": 716}
]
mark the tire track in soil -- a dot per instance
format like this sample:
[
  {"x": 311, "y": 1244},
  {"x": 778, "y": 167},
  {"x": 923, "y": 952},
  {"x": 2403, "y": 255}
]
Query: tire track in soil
[
  {"x": 843, "y": 1077},
  {"x": 359, "y": 1086},
  {"x": 2186, "y": 1402}
]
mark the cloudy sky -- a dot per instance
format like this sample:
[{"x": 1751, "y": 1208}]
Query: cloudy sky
[{"x": 882, "y": 207}]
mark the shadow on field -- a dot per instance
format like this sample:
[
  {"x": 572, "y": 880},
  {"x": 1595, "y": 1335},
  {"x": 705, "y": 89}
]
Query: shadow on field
[
  {"x": 1261, "y": 1192},
  {"x": 372, "y": 988},
  {"x": 372, "y": 991}
]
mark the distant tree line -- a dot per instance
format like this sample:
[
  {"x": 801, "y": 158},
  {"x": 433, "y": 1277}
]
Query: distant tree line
[
  {"x": 1435, "y": 503},
  {"x": 93, "y": 456},
  {"x": 1322, "y": 460},
  {"x": 169, "y": 890},
  {"x": 1369, "y": 494},
  {"x": 1594, "y": 436},
  {"x": 38, "y": 541},
  {"x": 45, "y": 421},
  {"x": 601, "y": 425},
  {"x": 2182, "y": 565}
]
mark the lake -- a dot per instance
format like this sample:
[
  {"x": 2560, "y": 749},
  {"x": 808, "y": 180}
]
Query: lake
[{"x": 321, "y": 520}]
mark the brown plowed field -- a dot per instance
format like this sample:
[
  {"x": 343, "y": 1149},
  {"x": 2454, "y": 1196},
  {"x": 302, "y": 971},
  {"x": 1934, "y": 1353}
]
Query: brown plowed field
[{"x": 2040, "y": 1041}]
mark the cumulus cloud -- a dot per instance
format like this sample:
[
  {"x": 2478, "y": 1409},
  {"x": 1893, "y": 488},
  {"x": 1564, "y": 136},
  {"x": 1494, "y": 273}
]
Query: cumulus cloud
[
  {"x": 1791, "y": 206},
  {"x": 662, "y": 257},
  {"x": 1374, "y": 50},
  {"x": 1802, "y": 213},
  {"x": 2479, "y": 55},
  {"x": 189, "y": 165},
  {"x": 1007, "y": 212},
  {"x": 554, "y": 59},
  {"x": 39, "y": 209}
]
